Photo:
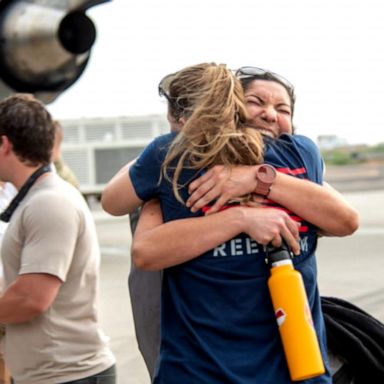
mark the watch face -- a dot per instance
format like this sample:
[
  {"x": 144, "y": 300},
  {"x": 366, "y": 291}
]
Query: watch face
[{"x": 267, "y": 174}]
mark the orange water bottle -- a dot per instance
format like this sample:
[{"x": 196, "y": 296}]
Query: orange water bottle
[{"x": 293, "y": 315}]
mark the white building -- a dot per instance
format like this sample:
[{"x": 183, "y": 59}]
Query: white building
[{"x": 95, "y": 149}]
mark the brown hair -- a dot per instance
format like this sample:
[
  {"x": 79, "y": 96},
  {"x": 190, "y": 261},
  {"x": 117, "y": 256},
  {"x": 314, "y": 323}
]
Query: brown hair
[{"x": 29, "y": 127}]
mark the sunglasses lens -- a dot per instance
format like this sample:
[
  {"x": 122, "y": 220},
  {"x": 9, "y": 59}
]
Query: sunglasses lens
[
  {"x": 165, "y": 83},
  {"x": 163, "y": 88},
  {"x": 249, "y": 72}
]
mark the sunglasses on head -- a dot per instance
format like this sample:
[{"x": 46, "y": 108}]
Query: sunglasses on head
[
  {"x": 163, "y": 89},
  {"x": 164, "y": 85},
  {"x": 249, "y": 72}
]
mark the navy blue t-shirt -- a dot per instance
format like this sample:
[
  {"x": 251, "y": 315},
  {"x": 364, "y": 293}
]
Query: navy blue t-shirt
[{"x": 218, "y": 324}]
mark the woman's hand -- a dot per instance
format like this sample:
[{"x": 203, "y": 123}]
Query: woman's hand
[
  {"x": 222, "y": 184},
  {"x": 271, "y": 225}
]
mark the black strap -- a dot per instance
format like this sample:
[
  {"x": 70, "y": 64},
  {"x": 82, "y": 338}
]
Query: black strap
[{"x": 8, "y": 212}]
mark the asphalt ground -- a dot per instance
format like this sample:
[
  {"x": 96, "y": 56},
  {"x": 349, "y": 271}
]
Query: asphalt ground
[{"x": 351, "y": 268}]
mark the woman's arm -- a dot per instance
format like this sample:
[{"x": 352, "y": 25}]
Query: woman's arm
[
  {"x": 137, "y": 181},
  {"x": 119, "y": 196},
  {"x": 320, "y": 205},
  {"x": 157, "y": 246}
]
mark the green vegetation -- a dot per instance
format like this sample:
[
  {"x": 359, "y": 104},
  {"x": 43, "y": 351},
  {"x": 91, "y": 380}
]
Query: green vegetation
[
  {"x": 337, "y": 157},
  {"x": 354, "y": 154},
  {"x": 379, "y": 148}
]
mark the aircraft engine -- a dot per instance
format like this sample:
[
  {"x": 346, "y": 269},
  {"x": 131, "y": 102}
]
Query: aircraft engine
[{"x": 45, "y": 45}]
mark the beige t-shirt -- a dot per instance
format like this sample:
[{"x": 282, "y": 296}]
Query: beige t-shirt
[{"x": 52, "y": 231}]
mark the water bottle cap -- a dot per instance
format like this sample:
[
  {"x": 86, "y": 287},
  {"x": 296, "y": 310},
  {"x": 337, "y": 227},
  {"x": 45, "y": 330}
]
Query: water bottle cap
[
  {"x": 280, "y": 263},
  {"x": 275, "y": 255}
]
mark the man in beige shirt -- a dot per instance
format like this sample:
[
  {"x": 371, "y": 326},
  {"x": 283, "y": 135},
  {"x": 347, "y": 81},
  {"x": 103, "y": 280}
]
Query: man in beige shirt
[{"x": 51, "y": 261}]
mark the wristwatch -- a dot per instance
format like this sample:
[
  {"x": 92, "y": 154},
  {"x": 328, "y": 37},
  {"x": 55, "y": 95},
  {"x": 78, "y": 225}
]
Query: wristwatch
[{"x": 265, "y": 177}]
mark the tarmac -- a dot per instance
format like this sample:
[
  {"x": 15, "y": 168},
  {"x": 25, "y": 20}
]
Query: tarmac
[{"x": 351, "y": 268}]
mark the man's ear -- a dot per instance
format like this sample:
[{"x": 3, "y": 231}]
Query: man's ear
[
  {"x": 182, "y": 121},
  {"x": 5, "y": 144}
]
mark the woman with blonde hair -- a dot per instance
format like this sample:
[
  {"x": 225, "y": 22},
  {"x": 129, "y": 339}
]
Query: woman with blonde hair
[{"x": 217, "y": 323}]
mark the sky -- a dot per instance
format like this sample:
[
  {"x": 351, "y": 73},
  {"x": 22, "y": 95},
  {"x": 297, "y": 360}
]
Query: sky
[{"x": 332, "y": 51}]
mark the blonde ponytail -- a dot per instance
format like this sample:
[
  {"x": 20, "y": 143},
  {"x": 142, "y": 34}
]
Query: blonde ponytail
[{"x": 212, "y": 101}]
